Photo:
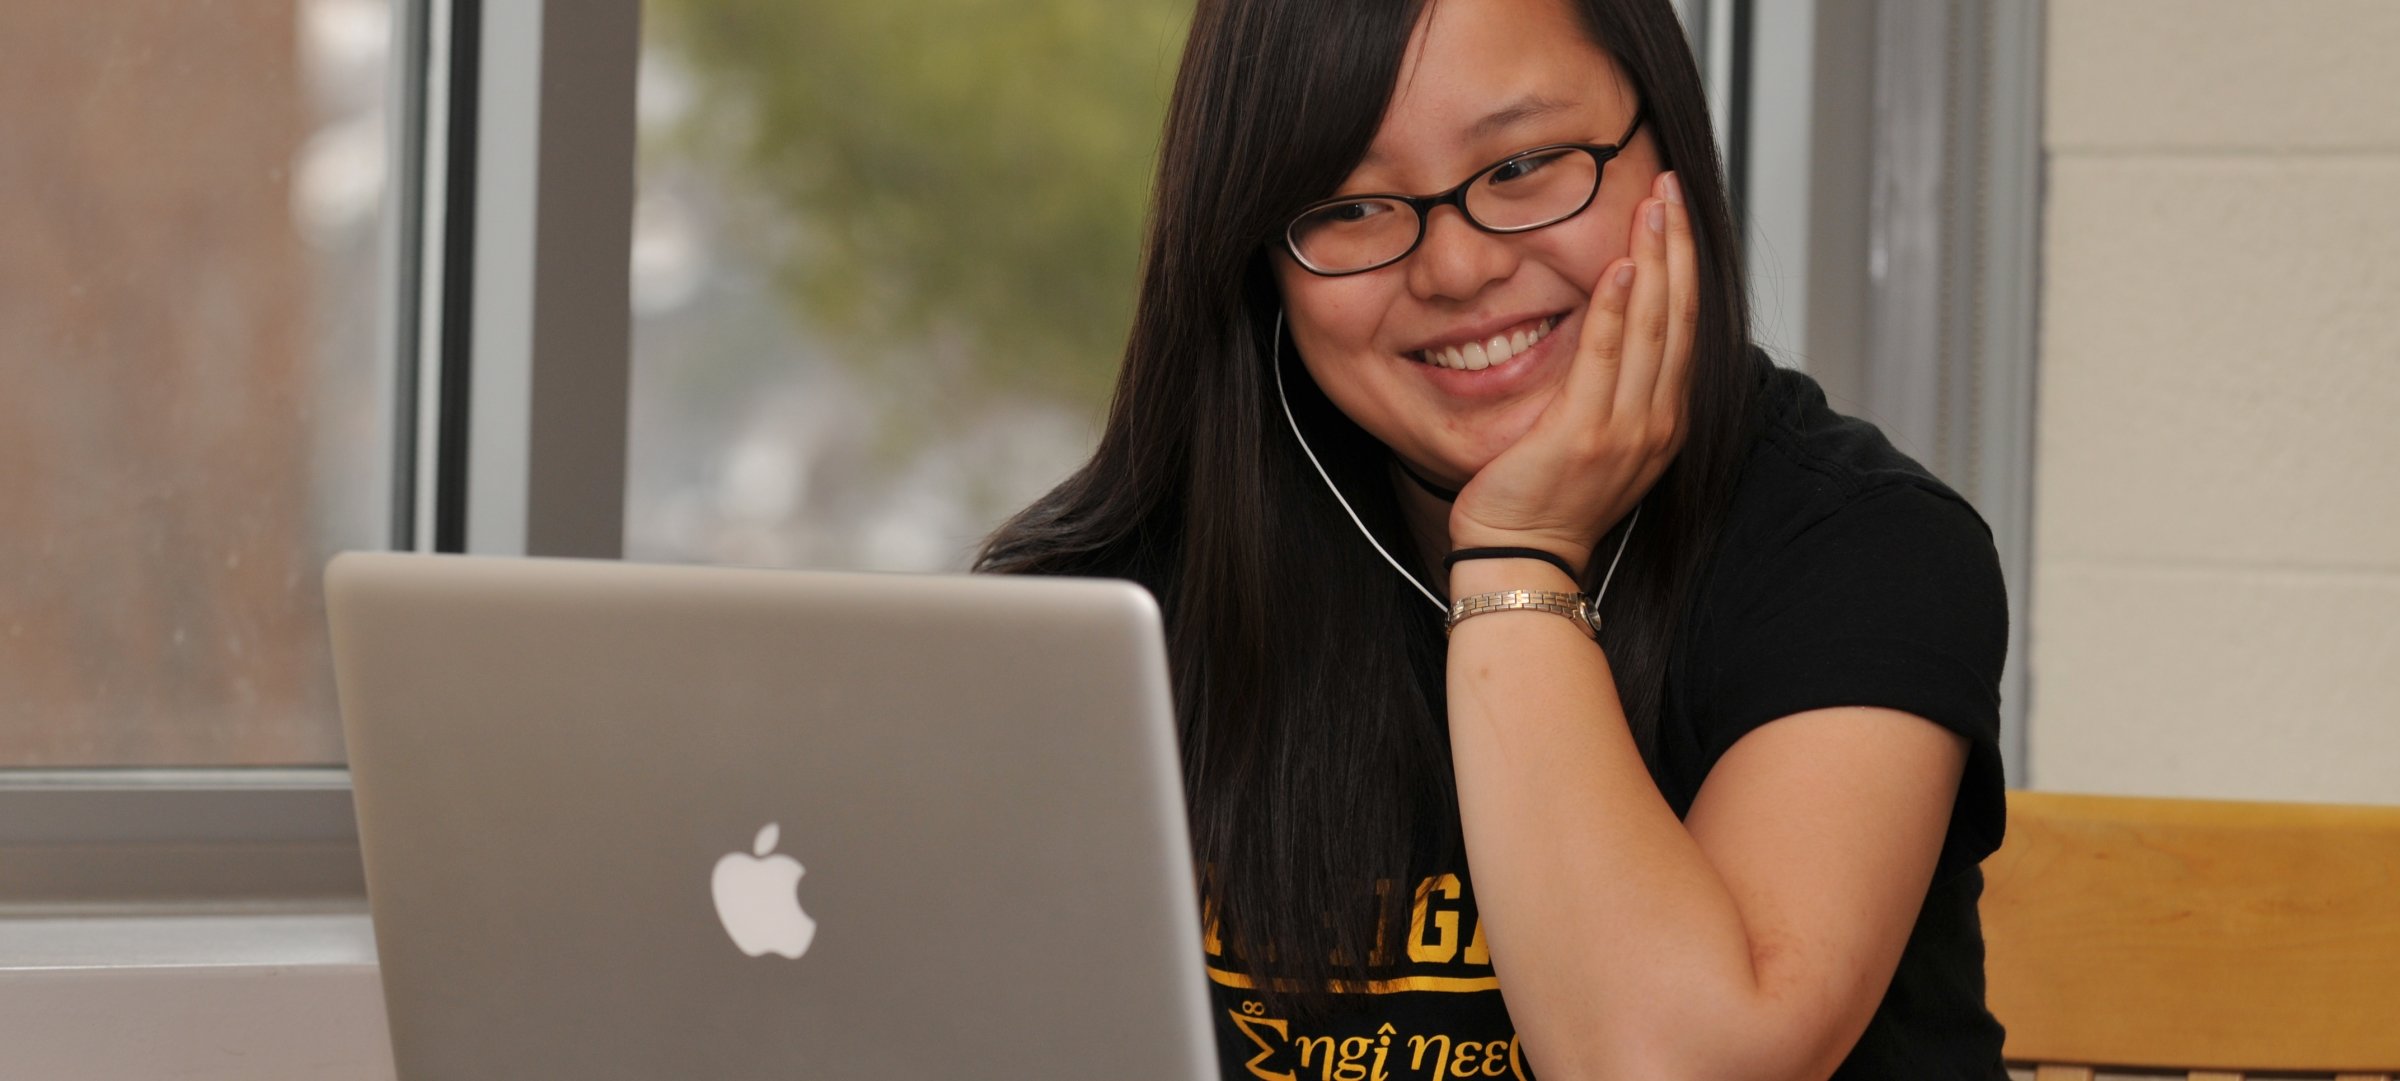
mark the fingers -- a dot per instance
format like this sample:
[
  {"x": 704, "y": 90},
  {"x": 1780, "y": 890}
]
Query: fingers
[
  {"x": 1646, "y": 310},
  {"x": 1634, "y": 356},
  {"x": 1683, "y": 302},
  {"x": 1600, "y": 349}
]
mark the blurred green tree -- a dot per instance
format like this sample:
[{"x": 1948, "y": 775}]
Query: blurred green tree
[{"x": 962, "y": 176}]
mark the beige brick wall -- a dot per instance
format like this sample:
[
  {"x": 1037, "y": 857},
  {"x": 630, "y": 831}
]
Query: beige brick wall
[{"x": 2216, "y": 585}]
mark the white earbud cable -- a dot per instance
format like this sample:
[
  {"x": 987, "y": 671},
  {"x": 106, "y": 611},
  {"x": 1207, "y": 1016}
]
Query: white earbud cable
[
  {"x": 1329, "y": 484},
  {"x": 1277, "y": 363}
]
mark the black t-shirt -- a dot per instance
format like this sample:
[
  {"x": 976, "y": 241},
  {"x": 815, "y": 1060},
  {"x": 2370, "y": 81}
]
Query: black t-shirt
[{"x": 1846, "y": 575}]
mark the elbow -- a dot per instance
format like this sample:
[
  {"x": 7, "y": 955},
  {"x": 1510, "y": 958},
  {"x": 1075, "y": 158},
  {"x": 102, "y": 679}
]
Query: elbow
[
  {"x": 1654, "y": 1053},
  {"x": 1682, "y": 1067},
  {"x": 1773, "y": 1023},
  {"x": 1736, "y": 1047}
]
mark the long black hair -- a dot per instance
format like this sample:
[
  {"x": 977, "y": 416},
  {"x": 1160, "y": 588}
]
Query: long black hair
[{"x": 1307, "y": 673}]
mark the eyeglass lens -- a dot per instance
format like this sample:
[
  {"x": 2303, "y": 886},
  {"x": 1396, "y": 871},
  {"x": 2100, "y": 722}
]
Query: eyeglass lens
[{"x": 1524, "y": 192}]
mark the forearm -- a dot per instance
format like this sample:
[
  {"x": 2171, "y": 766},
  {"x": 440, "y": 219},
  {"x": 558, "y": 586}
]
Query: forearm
[{"x": 1621, "y": 947}]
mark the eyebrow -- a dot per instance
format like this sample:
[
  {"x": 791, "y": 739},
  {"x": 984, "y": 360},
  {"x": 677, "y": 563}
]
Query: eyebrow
[
  {"x": 1518, "y": 112},
  {"x": 1525, "y": 109}
]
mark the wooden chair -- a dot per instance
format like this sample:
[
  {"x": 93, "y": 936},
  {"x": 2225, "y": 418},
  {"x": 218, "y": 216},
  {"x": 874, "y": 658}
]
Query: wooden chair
[{"x": 2211, "y": 937}]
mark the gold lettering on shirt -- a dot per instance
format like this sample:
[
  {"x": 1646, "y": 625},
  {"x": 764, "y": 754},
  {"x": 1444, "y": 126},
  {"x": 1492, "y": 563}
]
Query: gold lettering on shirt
[
  {"x": 1446, "y": 949},
  {"x": 1467, "y": 1058},
  {"x": 1444, "y": 945},
  {"x": 1416, "y": 1053},
  {"x": 1250, "y": 1027},
  {"x": 1356, "y": 1058},
  {"x": 1496, "y": 1056},
  {"x": 1335, "y": 1057}
]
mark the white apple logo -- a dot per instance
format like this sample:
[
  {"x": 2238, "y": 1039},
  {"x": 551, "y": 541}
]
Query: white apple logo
[{"x": 758, "y": 899}]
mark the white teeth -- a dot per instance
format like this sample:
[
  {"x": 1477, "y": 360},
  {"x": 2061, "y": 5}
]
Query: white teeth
[{"x": 1499, "y": 349}]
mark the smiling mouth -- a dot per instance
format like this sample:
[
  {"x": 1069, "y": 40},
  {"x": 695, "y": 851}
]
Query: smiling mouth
[{"x": 1490, "y": 352}]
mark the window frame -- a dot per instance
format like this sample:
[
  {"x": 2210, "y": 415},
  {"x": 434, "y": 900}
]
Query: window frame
[{"x": 506, "y": 355}]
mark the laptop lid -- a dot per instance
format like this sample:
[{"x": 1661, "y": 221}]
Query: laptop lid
[{"x": 590, "y": 794}]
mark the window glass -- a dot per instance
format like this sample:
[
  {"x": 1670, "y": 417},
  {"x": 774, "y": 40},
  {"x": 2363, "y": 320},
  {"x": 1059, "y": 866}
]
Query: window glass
[
  {"x": 884, "y": 260},
  {"x": 191, "y": 421}
]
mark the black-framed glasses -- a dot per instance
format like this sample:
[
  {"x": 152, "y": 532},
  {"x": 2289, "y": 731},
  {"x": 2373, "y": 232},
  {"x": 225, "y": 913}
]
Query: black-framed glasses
[{"x": 1353, "y": 234}]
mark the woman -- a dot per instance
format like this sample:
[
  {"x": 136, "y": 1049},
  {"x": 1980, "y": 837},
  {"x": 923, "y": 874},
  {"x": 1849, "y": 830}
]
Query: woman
[{"x": 1738, "y": 837}]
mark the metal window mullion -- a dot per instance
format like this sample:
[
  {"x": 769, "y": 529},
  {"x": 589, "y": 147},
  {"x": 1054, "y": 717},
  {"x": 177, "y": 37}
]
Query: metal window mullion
[
  {"x": 548, "y": 333},
  {"x": 448, "y": 175},
  {"x": 401, "y": 315},
  {"x": 2006, "y": 343},
  {"x": 422, "y": 183},
  {"x": 1912, "y": 313},
  {"x": 1953, "y": 241},
  {"x": 1777, "y": 171}
]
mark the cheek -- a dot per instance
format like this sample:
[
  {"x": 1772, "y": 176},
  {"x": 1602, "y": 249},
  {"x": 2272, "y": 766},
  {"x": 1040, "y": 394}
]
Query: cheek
[
  {"x": 1599, "y": 236},
  {"x": 1334, "y": 322}
]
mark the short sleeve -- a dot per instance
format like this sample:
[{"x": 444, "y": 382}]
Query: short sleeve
[{"x": 1893, "y": 599}]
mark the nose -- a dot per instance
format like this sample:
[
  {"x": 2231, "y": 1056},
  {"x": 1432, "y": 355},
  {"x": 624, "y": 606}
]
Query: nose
[{"x": 1456, "y": 260}]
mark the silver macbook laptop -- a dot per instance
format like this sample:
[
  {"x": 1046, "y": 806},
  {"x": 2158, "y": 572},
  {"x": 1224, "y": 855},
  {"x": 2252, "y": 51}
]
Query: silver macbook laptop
[{"x": 628, "y": 821}]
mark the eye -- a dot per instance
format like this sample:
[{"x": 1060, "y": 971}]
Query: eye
[
  {"x": 1518, "y": 168},
  {"x": 1353, "y": 212}
]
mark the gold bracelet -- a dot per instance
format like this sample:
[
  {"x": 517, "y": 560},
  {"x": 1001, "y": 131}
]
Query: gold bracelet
[{"x": 1571, "y": 605}]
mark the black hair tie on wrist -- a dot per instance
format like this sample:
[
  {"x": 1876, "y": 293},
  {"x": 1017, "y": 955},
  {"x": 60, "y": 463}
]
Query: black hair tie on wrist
[{"x": 1464, "y": 554}]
